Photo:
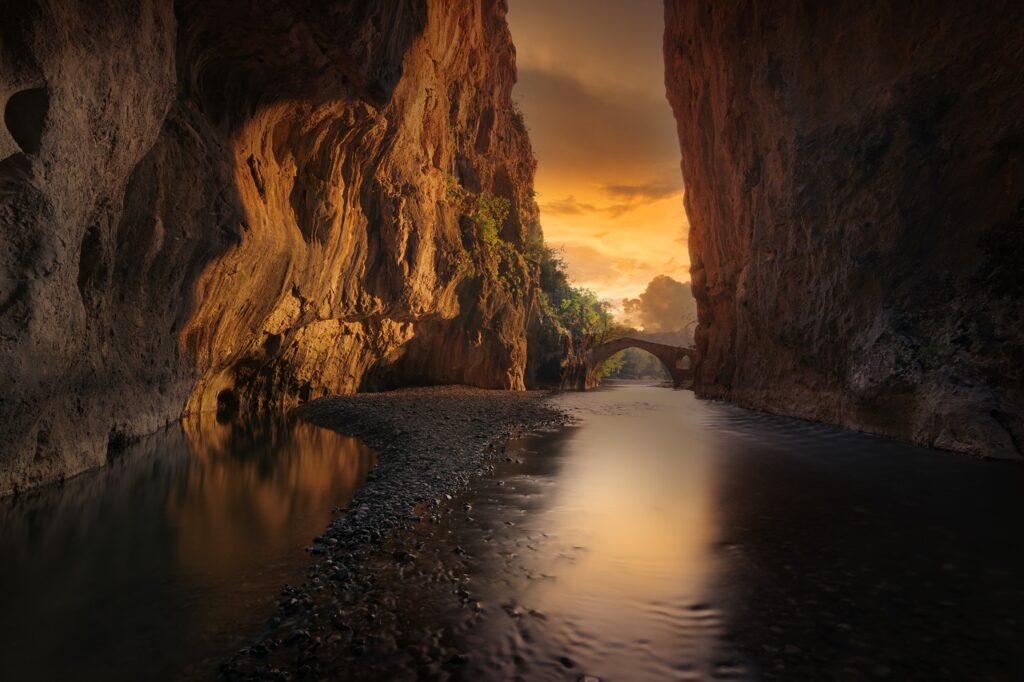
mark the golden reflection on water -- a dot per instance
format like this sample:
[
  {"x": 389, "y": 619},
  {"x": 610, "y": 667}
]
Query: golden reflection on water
[
  {"x": 643, "y": 527},
  {"x": 595, "y": 547},
  {"x": 636, "y": 497},
  {"x": 248, "y": 493},
  {"x": 164, "y": 562}
]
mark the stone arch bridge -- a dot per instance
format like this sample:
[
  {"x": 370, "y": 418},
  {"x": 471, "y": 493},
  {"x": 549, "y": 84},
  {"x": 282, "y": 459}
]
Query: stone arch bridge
[{"x": 678, "y": 361}]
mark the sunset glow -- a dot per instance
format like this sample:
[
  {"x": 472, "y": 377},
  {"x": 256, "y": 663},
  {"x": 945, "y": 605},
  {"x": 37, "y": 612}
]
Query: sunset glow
[{"x": 591, "y": 87}]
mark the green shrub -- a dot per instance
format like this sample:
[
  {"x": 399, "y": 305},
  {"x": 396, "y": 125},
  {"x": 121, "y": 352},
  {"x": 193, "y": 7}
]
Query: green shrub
[
  {"x": 488, "y": 211},
  {"x": 490, "y": 216}
]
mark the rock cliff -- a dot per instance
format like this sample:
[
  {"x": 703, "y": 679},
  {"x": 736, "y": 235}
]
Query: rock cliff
[
  {"x": 241, "y": 205},
  {"x": 855, "y": 186}
]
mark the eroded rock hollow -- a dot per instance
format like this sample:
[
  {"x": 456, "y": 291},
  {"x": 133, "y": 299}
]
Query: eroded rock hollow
[
  {"x": 248, "y": 204},
  {"x": 855, "y": 187}
]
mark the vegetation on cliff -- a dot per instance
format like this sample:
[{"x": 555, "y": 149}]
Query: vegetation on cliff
[
  {"x": 585, "y": 319},
  {"x": 199, "y": 218}
]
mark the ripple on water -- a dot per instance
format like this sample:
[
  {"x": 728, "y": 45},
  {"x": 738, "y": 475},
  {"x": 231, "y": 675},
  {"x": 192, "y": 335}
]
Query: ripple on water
[
  {"x": 667, "y": 538},
  {"x": 583, "y": 583}
]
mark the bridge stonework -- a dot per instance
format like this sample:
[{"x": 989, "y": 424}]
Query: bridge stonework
[{"x": 679, "y": 361}]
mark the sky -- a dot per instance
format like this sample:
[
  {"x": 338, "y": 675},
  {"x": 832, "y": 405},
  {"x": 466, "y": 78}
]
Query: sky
[{"x": 591, "y": 86}]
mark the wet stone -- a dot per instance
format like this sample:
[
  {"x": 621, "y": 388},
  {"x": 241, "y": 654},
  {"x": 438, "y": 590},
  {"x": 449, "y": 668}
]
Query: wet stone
[{"x": 376, "y": 531}]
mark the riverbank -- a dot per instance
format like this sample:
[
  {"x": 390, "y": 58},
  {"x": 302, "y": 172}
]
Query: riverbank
[
  {"x": 431, "y": 442},
  {"x": 658, "y": 537}
]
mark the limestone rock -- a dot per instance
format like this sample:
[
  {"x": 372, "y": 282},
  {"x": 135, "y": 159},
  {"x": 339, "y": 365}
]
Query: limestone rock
[
  {"x": 854, "y": 179},
  {"x": 246, "y": 205}
]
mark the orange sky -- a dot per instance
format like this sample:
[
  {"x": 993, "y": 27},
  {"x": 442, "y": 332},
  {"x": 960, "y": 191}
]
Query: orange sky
[{"x": 591, "y": 86}]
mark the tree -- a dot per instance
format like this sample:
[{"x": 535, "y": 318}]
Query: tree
[
  {"x": 588, "y": 318},
  {"x": 577, "y": 311},
  {"x": 488, "y": 211},
  {"x": 612, "y": 367},
  {"x": 634, "y": 363}
]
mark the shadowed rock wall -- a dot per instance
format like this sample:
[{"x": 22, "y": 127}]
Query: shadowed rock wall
[
  {"x": 246, "y": 205},
  {"x": 855, "y": 187}
]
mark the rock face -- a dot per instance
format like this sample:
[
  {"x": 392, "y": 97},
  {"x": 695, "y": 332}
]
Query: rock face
[
  {"x": 855, "y": 187},
  {"x": 237, "y": 204}
]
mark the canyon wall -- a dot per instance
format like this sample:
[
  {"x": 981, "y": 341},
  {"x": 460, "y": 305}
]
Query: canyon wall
[
  {"x": 854, "y": 179},
  {"x": 240, "y": 205}
]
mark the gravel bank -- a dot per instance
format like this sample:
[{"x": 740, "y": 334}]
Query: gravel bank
[{"x": 432, "y": 442}]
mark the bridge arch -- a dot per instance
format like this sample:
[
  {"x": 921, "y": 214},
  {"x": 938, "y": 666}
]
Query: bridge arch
[{"x": 678, "y": 361}]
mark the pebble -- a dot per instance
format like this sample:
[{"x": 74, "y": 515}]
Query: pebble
[{"x": 404, "y": 490}]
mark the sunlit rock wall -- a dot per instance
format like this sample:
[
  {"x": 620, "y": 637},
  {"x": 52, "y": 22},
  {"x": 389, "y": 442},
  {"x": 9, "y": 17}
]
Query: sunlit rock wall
[
  {"x": 855, "y": 187},
  {"x": 247, "y": 203}
]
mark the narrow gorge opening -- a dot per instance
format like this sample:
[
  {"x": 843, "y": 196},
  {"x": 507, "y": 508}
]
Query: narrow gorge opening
[
  {"x": 591, "y": 90},
  {"x": 279, "y": 281}
]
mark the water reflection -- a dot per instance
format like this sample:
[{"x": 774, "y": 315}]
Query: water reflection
[
  {"x": 625, "y": 538},
  {"x": 866, "y": 557},
  {"x": 165, "y": 561},
  {"x": 590, "y": 553},
  {"x": 610, "y": 571},
  {"x": 668, "y": 538}
]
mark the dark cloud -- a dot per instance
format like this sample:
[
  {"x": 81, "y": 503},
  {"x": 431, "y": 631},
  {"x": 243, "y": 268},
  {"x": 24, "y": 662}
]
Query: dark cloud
[
  {"x": 616, "y": 41},
  {"x": 576, "y": 128},
  {"x": 591, "y": 84}
]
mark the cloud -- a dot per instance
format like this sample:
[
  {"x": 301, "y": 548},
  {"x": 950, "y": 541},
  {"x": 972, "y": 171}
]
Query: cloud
[
  {"x": 590, "y": 265},
  {"x": 575, "y": 128},
  {"x": 619, "y": 210},
  {"x": 568, "y": 206},
  {"x": 630, "y": 197},
  {"x": 651, "y": 191},
  {"x": 609, "y": 43},
  {"x": 671, "y": 264},
  {"x": 591, "y": 84},
  {"x": 630, "y": 265}
]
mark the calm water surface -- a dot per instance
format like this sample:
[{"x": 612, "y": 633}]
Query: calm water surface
[
  {"x": 659, "y": 538},
  {"x": 163, "y": 564},
  {"x": 665, "y": 538}
]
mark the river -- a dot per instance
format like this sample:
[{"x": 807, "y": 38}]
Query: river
[
  {"x": 659, "y": 537},
  {"x": 664, "y": 537},
  {"x": 170, "y": 558}
]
